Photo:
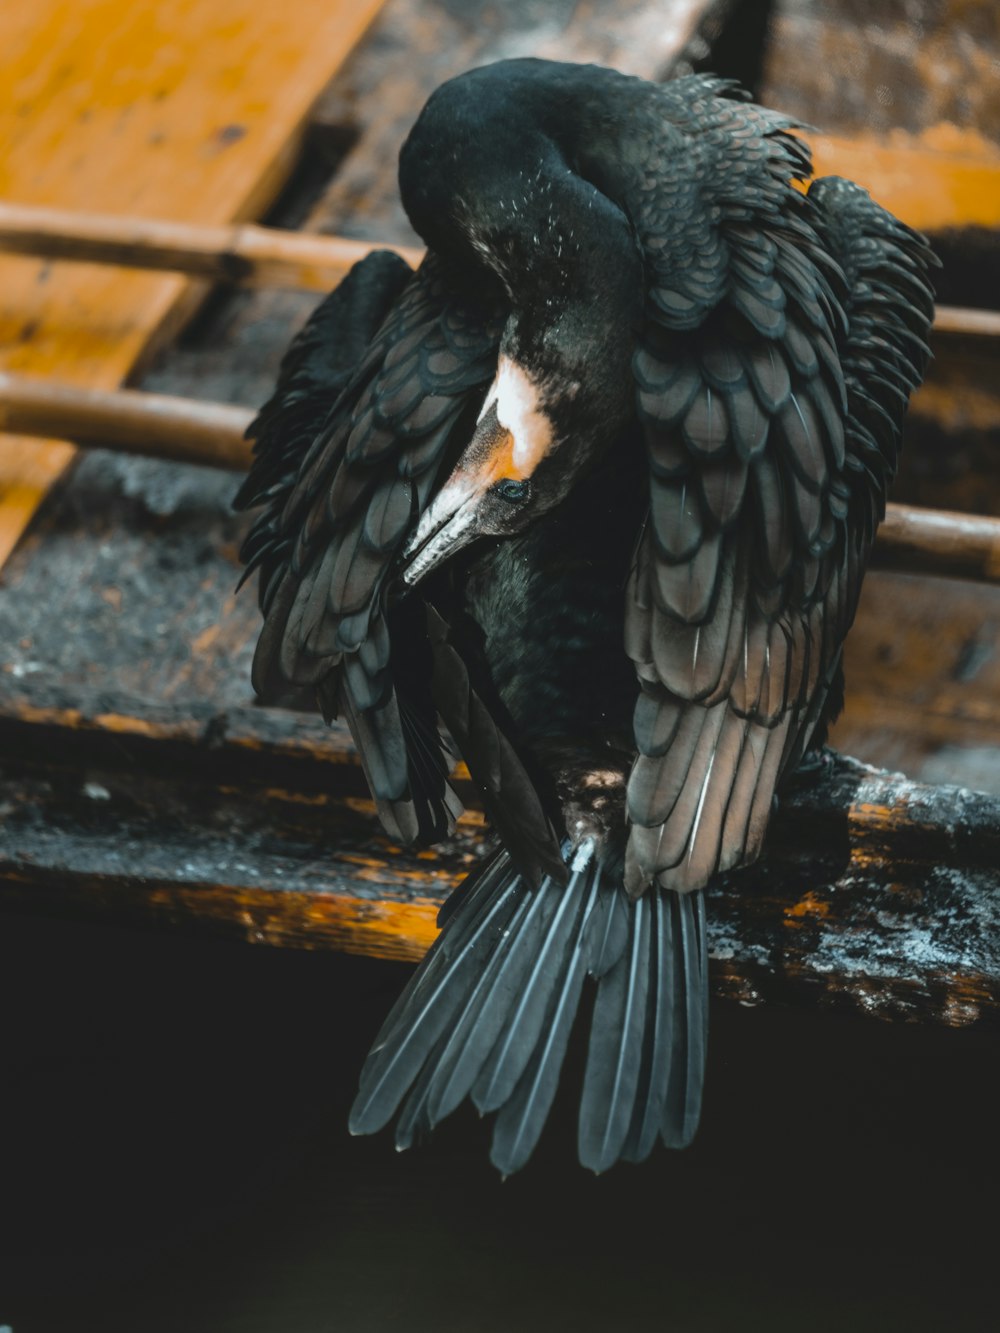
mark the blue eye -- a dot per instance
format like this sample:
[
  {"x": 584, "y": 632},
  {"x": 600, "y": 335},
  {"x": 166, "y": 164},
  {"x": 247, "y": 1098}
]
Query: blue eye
[{"x": 514, "y": 492}]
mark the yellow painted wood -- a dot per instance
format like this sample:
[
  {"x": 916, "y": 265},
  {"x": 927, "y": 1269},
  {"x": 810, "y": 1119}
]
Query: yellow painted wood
[
  {"x": 187, "y": 110},
  {"x": 943, "y": 177}
]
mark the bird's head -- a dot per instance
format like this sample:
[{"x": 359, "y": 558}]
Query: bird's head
[
  {"x": 568, "y": 260},
  {"x": 563, "y": 392},
  {"x": 534, "y": 438}
]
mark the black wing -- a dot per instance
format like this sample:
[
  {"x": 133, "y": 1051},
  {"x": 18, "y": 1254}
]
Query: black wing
[
  {"x": 314, "y": 371},
  {"x": 347, "y": 461},
  {"x": 379, "y": 438},
  {"x": 784, "y": 336}
]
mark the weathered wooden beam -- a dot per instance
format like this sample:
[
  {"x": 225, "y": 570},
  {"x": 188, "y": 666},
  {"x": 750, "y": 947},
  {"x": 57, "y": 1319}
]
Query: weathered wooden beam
[
  {"x": 876, "y": 894},
  {"x": 962, "y": 322},
  {"x": 249, "y": 748}
]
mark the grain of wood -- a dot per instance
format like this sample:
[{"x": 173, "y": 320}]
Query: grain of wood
[
  {"x": 188, "y": 110},
  {"x": 876, "y": 895}
]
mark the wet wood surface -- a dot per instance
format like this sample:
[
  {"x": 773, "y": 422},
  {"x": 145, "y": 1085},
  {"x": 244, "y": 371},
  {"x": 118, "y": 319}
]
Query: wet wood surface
[{"x": 875, "y": 893}]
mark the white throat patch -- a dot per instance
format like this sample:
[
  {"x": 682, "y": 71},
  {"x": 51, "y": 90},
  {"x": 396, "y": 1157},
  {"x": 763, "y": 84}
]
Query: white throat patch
[{"x": 519, "y": 410}]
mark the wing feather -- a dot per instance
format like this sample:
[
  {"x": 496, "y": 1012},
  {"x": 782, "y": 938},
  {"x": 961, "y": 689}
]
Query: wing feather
[
  {"x": 784, "y": 335},
  {"x": 365, "y": 462}
]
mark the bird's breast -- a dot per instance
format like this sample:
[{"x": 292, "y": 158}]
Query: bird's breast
[{"x": 549, "y": 604}]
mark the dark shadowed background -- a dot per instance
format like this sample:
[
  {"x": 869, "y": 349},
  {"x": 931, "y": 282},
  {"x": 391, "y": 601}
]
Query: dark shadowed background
[{"x": 176, "y": 1158}]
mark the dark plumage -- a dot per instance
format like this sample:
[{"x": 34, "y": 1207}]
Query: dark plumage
[{"x": 595, "y": 488}]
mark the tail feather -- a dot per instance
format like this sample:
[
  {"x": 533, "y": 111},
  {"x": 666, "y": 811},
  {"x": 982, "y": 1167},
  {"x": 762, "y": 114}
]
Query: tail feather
[
  {"x": 651, "y": 1095},
  {"x": 488, "y": 1015},
  {"x": 487, "y": 886},
  {"x": 474, "y": 1034},
  {"x": 616, "y": 1041},
  {"x": 609, "y": 930},
  {"x": 425, "y": 1011},
  {"x": 521, "y": 1120},
  {"x": 690, "y": 997},
  {"x": 415, "y": 1121},
  {"x": 546, "y": 946},
  {"x": 480, "y": 887}
]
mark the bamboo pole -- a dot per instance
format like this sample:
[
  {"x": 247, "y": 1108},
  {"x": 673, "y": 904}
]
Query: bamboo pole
[
  {"x": 956, "y": 321},
  {"x": 184, "y": 430},
  {"x": 939, "y": 541},
  {"x": 244, "y": 253},
  {"x": 257, "y": 256}
]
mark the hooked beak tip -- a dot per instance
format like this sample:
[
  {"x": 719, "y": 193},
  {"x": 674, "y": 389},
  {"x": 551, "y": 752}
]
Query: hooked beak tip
[{"x": 447, "y": 525}]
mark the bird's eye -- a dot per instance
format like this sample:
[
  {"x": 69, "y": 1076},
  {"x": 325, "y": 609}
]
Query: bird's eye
[{"x": 514, "y": 492}]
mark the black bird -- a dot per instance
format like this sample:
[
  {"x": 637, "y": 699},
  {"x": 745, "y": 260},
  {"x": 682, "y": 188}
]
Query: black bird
[{"x": 595, "y": 488}]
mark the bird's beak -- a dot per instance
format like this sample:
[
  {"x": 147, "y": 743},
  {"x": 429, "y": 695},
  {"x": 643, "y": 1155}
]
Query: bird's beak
[
  {"x": 512, "y": 436},
  {"x": 448, "y": 524},
  {"x": 454, "y": 518}
]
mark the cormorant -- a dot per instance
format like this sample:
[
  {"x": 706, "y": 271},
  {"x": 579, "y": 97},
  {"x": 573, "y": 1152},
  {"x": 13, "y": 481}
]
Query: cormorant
[{"x": 595, "y": 488}]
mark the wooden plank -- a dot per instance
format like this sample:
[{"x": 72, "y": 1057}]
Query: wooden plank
[
  {"x": 187, "y": 111},
  {"x": 236, "y": 746},
  {"x": 876, "y": 894},
  {"x": 923, "y": 680},
  {"x": 941, "y": 177}
]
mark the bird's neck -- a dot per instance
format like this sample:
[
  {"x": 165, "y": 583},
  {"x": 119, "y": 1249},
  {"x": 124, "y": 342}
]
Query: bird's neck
[
  {"x": 490, "y": 176},
  {"x": 494, "y": 177}
]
